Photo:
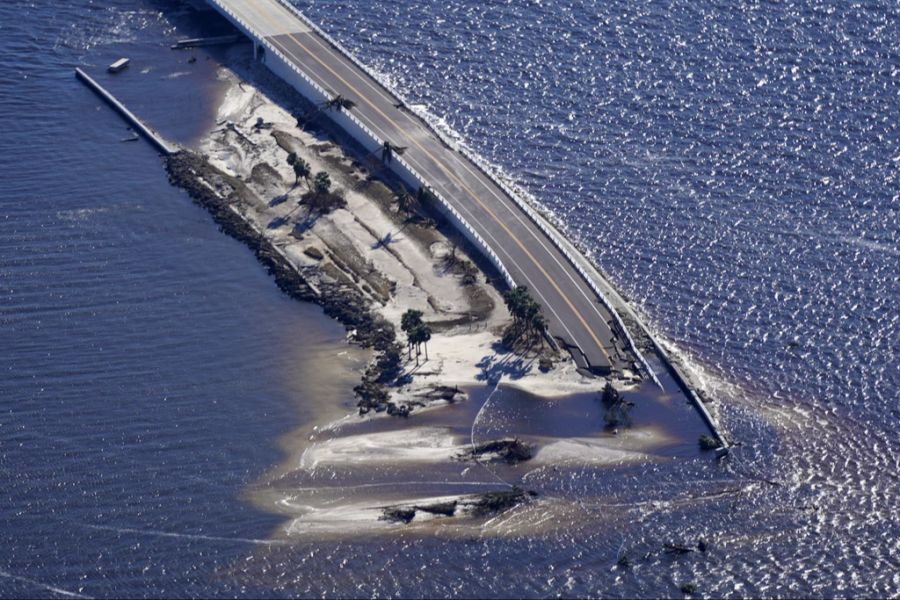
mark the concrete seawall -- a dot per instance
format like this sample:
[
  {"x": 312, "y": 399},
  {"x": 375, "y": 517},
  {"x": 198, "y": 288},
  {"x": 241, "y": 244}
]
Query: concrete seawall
[
  {"x": 284, "y": 68},
  {"x": 164, "y": 146},
  {"x": 287, "y": 70}
]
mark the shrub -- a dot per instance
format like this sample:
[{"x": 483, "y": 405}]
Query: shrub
[{"x": 708, "y": 443}]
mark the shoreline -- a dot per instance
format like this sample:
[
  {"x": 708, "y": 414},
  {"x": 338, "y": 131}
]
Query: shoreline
[
  {"x": 366, "y": 264},
  {"x": 253, "y": 203}
]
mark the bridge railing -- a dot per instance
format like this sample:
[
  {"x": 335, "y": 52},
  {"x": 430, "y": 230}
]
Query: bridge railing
[
  {"x": 539, "y": 220},
  {"x": 459, "y": 221}
]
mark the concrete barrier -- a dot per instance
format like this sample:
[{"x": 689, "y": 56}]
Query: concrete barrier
[
  {"x": 281, "y": 66},
  {"x": 155, "y": 138}
]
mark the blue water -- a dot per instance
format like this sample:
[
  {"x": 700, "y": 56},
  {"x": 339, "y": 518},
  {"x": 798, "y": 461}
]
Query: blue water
[
  {"x": 732, "y": 166},
  {"x": 148, "y": 363}
]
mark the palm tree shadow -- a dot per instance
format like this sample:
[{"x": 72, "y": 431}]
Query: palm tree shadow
[
  {"x": 386, "y": 241},
  {"x": 306, "y": 224},
  {"x": 278, "y": 200},
  {"x": 277, "y": 222},
  {"x": 406, "y": 377},
  {"x": 494, "y": 368}
]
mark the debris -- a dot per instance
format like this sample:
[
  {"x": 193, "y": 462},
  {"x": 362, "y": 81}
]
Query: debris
[
  {"x": 445, "y": 509},
  {"x": 492, "y": 503},
  {"x": 677, "y": 548},
  {"x": 688, "y": 588},
  {"x": 508, "y": 451},
  {"x": 708, "y": 443},
  {"x": 119, "y": 65},
  {"x": 313, "y": 252},
  {"x": 398, "y": 515}
]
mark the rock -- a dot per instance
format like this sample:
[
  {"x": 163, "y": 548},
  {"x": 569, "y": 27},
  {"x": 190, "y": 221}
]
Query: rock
[
  {"x": 313, "y": 252},
  {"x": 216, "y": 191},
  {"x": 398, "y": 515},
  {"x": 708, "y": 443},
  {"x": 508, "y": 451}
]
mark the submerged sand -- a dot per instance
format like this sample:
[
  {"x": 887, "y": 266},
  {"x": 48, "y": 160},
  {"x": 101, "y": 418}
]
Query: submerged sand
[{"x": 348, "y": 473}]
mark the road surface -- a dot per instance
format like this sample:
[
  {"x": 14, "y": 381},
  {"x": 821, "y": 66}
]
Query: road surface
[{"x": 574, "y": 313}]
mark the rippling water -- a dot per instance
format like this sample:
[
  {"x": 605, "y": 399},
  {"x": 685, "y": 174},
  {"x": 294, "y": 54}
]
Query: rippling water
[
  {"x": 733, "y": 167},
  {"x": 147, "y": 363}
]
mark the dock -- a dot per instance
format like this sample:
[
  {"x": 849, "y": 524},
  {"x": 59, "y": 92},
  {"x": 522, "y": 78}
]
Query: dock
[{"x": 154, "y": 137}]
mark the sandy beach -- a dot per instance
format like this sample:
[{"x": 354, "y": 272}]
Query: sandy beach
[{"x": 363, "y": 468}]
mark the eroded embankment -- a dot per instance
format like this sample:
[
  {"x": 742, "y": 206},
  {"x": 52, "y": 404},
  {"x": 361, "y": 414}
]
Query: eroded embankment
[
  {"x": 221, "y": 195},
  {"x": 369, "y": 256}
]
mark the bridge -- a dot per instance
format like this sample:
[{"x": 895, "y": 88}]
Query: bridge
[{"x": 518, "y": 241}]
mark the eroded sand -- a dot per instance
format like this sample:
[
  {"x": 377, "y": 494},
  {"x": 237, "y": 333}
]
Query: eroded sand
[{"x": 341, "y": 475}]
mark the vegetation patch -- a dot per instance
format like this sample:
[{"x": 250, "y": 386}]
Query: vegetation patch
[
  {"x": 508, "y": 451},
  {"x": 709, "y": 443},
  {"x": 617, "y": 408}
]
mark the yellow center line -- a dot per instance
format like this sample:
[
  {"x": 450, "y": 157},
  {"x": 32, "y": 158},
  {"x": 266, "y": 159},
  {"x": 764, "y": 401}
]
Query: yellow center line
[
  {"x": 378, "y": 89},
  {"x": 377, "y": 128},
  {"x": 459, "y": 182}
]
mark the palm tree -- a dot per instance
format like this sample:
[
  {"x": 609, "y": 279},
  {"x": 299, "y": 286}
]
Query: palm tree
[
  {"x": 538, "y": 324},
  {"x": 424, "y": 336},
  {"x": 410, "y": 320},
  {"x": 405, "y": 201},
  {"x": 338, "y": 103},
  {"x": 419, "y": 335},
  {"x": 301, "y": 169},
  {"x": 516, "y": 301},
  {"x": 291, "y": 158},
  {"x": 425, "y": 196},
  {"x": 388, "y": 150},
  {"x": 322, "y": 183},
  {"x": 526, "y": 313}
]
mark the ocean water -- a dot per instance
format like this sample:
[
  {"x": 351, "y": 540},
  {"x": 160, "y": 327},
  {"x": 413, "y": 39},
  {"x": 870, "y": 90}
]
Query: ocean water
[
  {"x": 147, "y": 363},
  {"x": 732, "y": 166}
]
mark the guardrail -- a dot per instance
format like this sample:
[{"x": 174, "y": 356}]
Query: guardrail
[
  {"x": 539, "y": 220},
  {"x": 461, "y": 222},
  {"x": 466, "y": 228}
]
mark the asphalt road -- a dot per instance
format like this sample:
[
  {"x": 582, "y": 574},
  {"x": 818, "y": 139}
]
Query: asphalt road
[{"x": 574, "y": 314}]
